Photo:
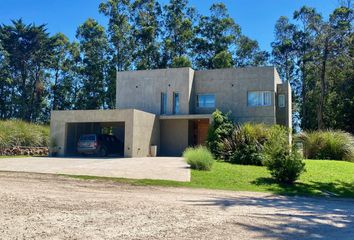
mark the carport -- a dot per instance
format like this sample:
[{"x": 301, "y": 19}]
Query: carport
[
  {"x": 140, "y": 130},
  {"x": 75, "y": 130}
]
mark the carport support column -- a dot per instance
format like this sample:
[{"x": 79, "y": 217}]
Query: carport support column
[{"x": 128, "y": 138}]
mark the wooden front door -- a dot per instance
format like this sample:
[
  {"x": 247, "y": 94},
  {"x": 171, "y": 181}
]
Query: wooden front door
[{"x": 202, "y": 131}]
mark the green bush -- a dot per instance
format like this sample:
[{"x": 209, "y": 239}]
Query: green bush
[
  {"x": 199, "y": 158},
  {"x": 220, "y": 129},
  {"x": 285, "y": 164},
  {"x": 331, "y": 145},
  {"x": 18, "y": 133},
  {"x": 242, "y": 147}
]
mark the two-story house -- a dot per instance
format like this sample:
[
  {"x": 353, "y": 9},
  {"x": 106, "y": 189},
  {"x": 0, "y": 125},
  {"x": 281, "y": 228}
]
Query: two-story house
[{"x": 171, "y": 108}]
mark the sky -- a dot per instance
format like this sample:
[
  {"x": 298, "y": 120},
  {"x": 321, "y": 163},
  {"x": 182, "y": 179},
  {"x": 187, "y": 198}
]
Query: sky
[{"x": 256, "y": 18}]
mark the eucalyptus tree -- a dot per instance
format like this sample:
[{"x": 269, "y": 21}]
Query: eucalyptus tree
[
  {"x": 146, "y": 32},
  {"x": 248, "y": 53},
  {"x": 216, "y": 34},
  {"x": 119, "y": 31},
  {"x": 178, "y": 21},
  {"x": 94, "y": 47}
]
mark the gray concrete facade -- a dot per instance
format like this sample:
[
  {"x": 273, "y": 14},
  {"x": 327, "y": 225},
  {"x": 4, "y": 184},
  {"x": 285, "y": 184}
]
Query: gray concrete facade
[{"x": 141, "y": 118}]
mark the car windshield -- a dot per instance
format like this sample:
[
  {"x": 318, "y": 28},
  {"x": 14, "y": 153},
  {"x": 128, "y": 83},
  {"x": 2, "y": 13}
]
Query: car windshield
[{"x": 88, "y": 138}]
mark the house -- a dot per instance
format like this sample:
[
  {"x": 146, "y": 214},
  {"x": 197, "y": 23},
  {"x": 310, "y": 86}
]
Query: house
[{"x": 171, "y": 108}]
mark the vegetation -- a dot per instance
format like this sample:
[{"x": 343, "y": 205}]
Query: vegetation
[
  {"x": 199, "y": 158},
  {"x": 316, "y": 56},
  {"x": 285, "y": 164},
  {"x": 245, "y": 144},
  {"x": 329, "y": 144},
  {"x": 322, "y": 178},
  {"x": 221, "y": 128},
  {"x": 19, "y": 133}
]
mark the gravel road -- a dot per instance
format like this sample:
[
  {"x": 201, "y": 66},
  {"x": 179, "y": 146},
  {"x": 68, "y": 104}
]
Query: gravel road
[{"x": 39, "y": 206}]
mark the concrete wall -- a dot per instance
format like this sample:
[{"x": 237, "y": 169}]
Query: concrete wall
[
  {"x": 174, "y": 137},
  {"x": 284, "y": 114},
  {"x": 142, "y": 89},
  {"x": 230, "y": 87},
  {"x": 141, "y": 129}
]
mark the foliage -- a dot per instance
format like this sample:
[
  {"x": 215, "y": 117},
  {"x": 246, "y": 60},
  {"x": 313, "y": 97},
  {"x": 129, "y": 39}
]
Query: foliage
[
  {"x": 180, "y": 62},
  {"x": 242, "y": 147},
  {"x": 315, "y": 55},
  {"x": 284, "y": 164},
  {"x": 220, "y": 129},
  {"x": 19, "y": 133},
  {"x": 199, "y": 158},
  {"x": 328, "y": 144}
]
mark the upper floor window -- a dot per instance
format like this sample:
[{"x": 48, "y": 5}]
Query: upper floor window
[
  {"x": 175, "y": 103},
  {"x": 163, "y": 103},
  {"x": 281, "y": 100},
  {"x": 206, "y": 100},
  {"x": 259, "y": 98}
]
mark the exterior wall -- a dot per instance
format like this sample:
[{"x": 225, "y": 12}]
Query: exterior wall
[
  {"x": 140, "y": 128},
  {"x": 284, "y": 114},
  {"x": 230, "y": 87},
  {"x": 174, "y": 137},
  {"x": 142, "y": 89}
]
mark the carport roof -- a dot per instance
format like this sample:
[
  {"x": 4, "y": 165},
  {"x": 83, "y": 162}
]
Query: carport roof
[{"x": 185, "y": 117}]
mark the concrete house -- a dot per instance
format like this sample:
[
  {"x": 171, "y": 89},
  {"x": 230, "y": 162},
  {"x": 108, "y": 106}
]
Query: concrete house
[{"x": 171, "y": 108}]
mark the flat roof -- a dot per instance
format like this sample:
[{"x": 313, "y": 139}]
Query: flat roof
[{"x": 187, "y": 116}]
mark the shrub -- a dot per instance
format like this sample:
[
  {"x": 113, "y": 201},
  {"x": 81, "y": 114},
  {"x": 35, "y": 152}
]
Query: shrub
[
  {"x": 242, "y": 147},
  {"x": 335, "y": 145},
  {"x": 285, "y": 164},
  {"x": 18, "y": 133},
  {"x": 199, "y": 158},
  {"x": 220, "y": 129}
]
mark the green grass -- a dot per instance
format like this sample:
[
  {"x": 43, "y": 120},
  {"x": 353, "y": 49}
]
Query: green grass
[{"x": 323, "y": 177}]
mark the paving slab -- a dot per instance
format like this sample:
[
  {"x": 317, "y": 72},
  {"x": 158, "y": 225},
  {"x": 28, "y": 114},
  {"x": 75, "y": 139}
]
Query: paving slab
[{"x": 163, "y": 168}]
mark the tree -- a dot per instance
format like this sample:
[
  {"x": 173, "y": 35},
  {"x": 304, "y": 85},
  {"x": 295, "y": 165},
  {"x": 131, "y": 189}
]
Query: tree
[
  {"x": 249, "y": 54},
  {"x": 215, "y": 34},
  {"x": 222, "y": 60},
  {"x": 178, "y": 32},
  {"x": 146, "y": 32},
  {"x": 29, "y": 52},
  {"x": 93, "y": 70},
  {"x": 119, "y": 31},
  {"x": 5, "y": 84},
  {"x": 180, "y": 62}
]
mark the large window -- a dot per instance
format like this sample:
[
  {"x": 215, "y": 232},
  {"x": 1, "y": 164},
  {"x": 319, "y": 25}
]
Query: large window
[
  {"x": 259, "y": 98},
  {"x": 163, "y": 103},
  {"x": 175, "y": 103},
  {"x": 206, "y": 100},
  {"x": 281, "y": 100}
]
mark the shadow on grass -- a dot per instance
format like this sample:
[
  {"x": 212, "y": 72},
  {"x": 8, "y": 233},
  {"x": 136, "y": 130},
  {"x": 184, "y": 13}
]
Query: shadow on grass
[{"x": 334, "y": 189}]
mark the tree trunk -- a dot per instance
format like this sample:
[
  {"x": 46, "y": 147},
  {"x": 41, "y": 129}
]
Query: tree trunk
[{"x": 320, "y": 123}]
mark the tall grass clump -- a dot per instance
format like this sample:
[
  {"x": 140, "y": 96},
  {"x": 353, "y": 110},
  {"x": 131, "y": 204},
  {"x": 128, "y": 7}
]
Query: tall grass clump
[
  {"x": 18, "y": 133},
  {"x": 199, "y": 158},
  {"x": 331, "y": 145}
]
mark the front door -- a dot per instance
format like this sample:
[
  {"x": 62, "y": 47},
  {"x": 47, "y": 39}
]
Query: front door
[{"x": 202, "y": 131}]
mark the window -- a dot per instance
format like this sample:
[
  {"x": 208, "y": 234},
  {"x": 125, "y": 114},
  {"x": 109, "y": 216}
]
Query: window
[
  {"x": 175, "y": 103},
  {"x": 163, "y": 103},
  {"x": 206, "y": 100},
  {"x": 259, "y": 98},
  {"x": 281, "y": 100}
]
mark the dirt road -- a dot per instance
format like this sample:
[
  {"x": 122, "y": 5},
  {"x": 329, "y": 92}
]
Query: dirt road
[{"x": 34, "y": 206}]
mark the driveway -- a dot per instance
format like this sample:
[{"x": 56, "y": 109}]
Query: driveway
[
  {"x": 39, "y": 206},
  {"x": 167, "y": 168}
]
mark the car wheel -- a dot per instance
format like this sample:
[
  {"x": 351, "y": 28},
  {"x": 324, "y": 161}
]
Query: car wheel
[{"x": 103, "y": 152}]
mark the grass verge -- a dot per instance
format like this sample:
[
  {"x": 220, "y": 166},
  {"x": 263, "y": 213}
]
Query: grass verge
[{"x": 334, "y": 178}]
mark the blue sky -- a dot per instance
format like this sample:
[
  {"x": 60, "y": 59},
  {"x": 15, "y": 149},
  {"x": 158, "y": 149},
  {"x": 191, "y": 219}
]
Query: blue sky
[{"x": 256, "y": 18}]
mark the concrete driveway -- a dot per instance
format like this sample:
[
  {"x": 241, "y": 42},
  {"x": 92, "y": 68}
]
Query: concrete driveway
[{"x": 166, "y": 168}]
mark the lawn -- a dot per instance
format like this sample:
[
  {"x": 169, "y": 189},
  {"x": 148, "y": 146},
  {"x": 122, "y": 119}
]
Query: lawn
[{"x": 323, "y": 177}]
